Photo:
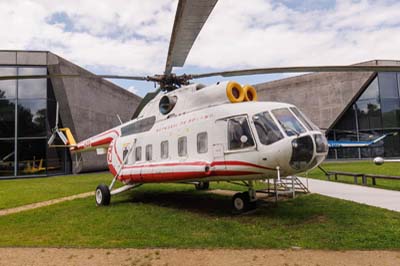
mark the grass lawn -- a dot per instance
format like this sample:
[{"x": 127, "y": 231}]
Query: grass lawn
[
  {"x": 173, "y": 215},
  {"x": 17, "y": 192},
  {"x": 361, "y": 167}
]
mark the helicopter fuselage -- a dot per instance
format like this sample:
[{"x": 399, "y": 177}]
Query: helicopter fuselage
[{"x": 210, "y": 139}]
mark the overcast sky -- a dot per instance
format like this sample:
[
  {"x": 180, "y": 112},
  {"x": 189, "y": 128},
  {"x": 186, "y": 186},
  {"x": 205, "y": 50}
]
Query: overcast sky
[{"x": 132, "y": 36}]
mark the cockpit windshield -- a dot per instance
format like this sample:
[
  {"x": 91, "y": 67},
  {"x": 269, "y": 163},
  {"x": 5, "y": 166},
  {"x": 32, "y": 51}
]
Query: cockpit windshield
[
  {"x": 288, "y": 121},
  {"x": 268, "y": 132},
  {"x": 304, "y": 119}
]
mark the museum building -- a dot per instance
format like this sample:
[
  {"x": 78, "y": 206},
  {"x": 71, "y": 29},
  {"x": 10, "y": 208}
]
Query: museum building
[
  {"x": 28, "y": 110},
  {"x": 347, "y": 105},
  {"x": 355, "y": 106}
]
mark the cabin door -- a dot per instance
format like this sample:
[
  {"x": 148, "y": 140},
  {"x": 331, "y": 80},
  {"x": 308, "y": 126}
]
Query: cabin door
[{"x": 219, "y": 145}]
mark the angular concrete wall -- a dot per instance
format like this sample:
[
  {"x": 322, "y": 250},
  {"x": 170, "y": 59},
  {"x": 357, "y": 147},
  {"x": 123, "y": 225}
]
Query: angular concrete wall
[
  {"x": 89, "y": 107},
  {"x": 323, "y": 97}
]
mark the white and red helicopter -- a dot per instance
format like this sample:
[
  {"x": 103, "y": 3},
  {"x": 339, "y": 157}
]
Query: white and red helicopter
[{"x": 192, "y": 133}]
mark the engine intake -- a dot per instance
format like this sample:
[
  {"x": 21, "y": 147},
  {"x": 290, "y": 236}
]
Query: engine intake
[
  {"x": 250, "y": 93},
  {"x": 167, "y": 103},
  {"x": 235, "y": 92}
]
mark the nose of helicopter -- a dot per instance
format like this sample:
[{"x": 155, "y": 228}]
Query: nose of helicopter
[
  {"x": 304, "y": 152},
  {"x": 308, "y": 151}
]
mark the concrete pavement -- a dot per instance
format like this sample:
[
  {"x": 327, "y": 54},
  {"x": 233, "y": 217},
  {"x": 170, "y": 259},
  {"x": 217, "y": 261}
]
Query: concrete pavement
[{"x": 387, "y": 199}]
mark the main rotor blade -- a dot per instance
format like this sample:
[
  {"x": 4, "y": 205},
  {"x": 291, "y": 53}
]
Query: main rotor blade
[
  {"x": 189, "y": 19},
  {"x": 78, "y": 76},
  {"x": 276, "y": 70}
]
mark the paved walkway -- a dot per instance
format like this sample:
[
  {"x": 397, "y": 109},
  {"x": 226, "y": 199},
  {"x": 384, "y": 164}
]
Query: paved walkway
[
  {"x": 44, "y": 203},
  {"x": 195, "y": 257},
  {"x": 387, "y": 199}
]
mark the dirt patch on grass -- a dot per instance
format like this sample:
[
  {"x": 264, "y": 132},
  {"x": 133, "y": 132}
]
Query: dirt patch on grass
[{"x": 131, "y": 257}]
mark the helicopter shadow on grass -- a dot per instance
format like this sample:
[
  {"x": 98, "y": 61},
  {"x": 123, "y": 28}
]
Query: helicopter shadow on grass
[
  {"x": 288, "y": 213},
  {"x": 199, "y": 202}
]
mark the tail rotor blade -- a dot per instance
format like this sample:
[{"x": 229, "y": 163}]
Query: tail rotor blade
[
  {"x": 57, "y": 111},
  {"x": 51, "y": 139},
  {"x": 62, "y": 137}
]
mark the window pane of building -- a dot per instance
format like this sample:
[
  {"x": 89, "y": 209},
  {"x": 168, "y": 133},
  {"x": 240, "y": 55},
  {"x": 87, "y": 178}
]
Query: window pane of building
[
  {"x": 348, "y": 120},
  {"x": 8, "y": 88},
  {"x": 391, "y": 146},
  {"x": 388, "y": 85},
  {"x": 398, "y": 82},
  {"x": 369, "y": 114},
  {"x": 56, "y": 160},
  {"x": 32, "y": 88},
  {"x": 7, "y": 118},
  {"x": 202, "y": 142},
  {"x": 32, "y": 157},
  {"x": 390, "y": 113},
  {"x": 32, "y": 118},
  {"x": 182, "y": 146},
  {"x": 371, "y": 92},
  {"x": 7, "y": 157}
]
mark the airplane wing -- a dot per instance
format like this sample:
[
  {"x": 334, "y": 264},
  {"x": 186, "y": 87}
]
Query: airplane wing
[{"x": 356, "y": 144}]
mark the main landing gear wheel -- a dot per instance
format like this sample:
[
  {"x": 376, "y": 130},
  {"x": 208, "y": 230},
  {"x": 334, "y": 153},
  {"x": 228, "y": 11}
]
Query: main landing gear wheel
[
  {"x": 241, "y": 202},
  {"x": 103, "y": 195},
  {"x": 202, "y": 185}
]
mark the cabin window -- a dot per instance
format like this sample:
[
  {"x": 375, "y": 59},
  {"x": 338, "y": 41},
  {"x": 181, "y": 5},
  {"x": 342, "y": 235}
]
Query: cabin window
[
  {"x": 139, "y": 126},
  {"x": 239, "y": 134},
  {"x": 267, "y": 130},
  {"x": 164, "y": 149},
  {"x": 182, "y": 146},
  {"x": 138, "y": 154},
  {"x": 149, "y": 152},
  {"x": 202, "y": 142}
]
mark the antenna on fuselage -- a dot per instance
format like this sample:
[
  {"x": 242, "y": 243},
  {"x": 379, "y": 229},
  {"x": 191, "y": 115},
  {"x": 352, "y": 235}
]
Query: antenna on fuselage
[{"x": 119, "y": 119}]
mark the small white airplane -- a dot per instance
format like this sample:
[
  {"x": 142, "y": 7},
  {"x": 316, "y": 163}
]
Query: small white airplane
[{"x": 192, "y": 133}]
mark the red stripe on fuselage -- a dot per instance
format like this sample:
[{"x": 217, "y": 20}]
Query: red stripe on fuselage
[
  {"x": 179, "y": 176},
  {"x": 167, "y": 164},
  {"x": 82, "y": 145},
  {"x": 215, "y": 163},
  {"x": 175, "y": 176},
  {"x": 240, "y": 163}
]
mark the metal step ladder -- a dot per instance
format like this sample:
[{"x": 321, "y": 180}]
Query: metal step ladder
[{"x": 288, "y": 186}]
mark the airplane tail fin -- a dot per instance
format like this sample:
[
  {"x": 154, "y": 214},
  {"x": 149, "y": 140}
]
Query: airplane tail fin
[{"x": 64, "y": 134}]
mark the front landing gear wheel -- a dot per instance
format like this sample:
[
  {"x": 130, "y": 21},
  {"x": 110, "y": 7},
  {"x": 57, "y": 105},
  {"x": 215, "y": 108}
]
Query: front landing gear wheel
[
  {"x": 103, "y": 195},
  {"x": 202, "y": 185},
  {"x": 241, "y": 202}
]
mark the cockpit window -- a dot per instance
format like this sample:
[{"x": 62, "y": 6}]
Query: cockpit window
[
  {"x": 288, "y": 122},
  {"x": 268, "y": 132},
  {"x": 239, "y": 135},
  {"x": 304, "y": 119}
]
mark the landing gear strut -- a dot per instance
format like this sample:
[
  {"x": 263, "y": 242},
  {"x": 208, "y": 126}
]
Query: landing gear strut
[
  {"x": 245, "y": 201},
  {"x": 202, "y": 185}
]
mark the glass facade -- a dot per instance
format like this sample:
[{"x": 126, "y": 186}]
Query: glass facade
[
  {"x": 27, "y": 114},
  {"x": 375, "y": 112}
]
